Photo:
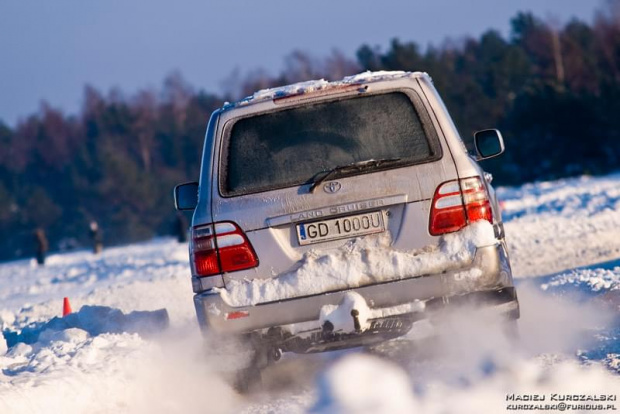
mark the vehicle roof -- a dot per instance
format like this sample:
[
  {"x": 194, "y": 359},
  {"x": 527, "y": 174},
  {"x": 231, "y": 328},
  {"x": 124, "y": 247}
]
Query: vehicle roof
[{"x": 306, "y": 87}]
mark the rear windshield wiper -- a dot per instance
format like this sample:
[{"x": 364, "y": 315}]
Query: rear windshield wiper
[{"x": 359, "y": 165}]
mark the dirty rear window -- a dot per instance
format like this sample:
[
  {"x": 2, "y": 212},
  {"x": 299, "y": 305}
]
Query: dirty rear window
[{"x": 292, "y": 147}]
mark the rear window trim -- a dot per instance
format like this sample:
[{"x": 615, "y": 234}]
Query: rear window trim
[{"x": 418, "y": 105}]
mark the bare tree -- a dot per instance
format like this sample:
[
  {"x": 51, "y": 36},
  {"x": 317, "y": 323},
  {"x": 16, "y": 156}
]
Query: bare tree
[
  {"x": 555, "y": 28},
  {"x": 145, "y": 109},
  {"x": 301, "y": 66},
  {"x": 337, "y": 66},
  {"x": 607, "y": 30},
  {"x": 178, "y": 93}
]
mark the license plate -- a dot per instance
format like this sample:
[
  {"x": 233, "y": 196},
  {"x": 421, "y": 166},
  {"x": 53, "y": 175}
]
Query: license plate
[{"x": 340, "y": 228}]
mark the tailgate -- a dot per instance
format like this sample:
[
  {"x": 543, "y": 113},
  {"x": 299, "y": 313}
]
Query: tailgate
[{"x": 269, "y": 162}]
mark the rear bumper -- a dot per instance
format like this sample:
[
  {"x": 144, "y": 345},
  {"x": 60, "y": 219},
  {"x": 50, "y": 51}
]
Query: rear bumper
[{"x": 493, "y": 286}]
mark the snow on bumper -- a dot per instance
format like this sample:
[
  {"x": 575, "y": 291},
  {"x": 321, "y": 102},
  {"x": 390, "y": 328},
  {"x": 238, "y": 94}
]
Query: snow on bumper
[
  {"x": 364, "y": 261},
  {"x": 489, "y": 271}
]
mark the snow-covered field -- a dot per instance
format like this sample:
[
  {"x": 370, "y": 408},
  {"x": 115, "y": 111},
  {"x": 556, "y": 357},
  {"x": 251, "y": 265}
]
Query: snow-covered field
[
  {"x": 554, "y": 226},
  {"x": 563, "y": 237}
]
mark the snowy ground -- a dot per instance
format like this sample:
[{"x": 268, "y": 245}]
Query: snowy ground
[
  {"x": 563, "y": 240},
  {"x": 554, "y": 226}
]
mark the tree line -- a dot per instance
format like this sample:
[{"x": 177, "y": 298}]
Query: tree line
[{"x": 553, "y": 90}]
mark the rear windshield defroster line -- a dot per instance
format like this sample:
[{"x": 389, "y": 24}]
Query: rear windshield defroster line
[{"x": 292, "y": 147}]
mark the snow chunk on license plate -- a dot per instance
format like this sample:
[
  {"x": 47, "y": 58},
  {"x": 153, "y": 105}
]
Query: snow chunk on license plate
[{"x": 340, "y": 228}]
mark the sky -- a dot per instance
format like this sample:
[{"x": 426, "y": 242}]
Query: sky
[{"x": 49, "y": 50}]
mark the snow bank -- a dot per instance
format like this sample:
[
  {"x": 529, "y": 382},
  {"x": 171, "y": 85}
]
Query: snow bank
[
  {"x": 595, "y": 280},
  {"x": 584, "y": 196},
  {"x": 557, "y": 225},
  {"x": 94, "y": 320},
  {"x": 361, "y": 262}
]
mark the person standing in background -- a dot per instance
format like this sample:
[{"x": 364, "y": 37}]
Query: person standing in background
[
  {"x": 95, "y": 235},
  {"x": 42, "y": 245}
]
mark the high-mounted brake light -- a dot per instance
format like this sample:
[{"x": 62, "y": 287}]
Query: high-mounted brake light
[
  {"x": 303, "y": 94},
  {"x": 457, "y": 203},
  {"x": 219, "y": 248}
]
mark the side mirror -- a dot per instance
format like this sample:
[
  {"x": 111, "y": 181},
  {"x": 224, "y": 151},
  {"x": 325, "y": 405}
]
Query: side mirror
[
  {"x": 186, "y": 196},
  {"x": 489, "y": 143}
]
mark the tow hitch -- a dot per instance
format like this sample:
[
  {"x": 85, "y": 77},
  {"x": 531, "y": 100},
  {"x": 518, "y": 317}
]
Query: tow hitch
[{"x": 356, "y": 320}]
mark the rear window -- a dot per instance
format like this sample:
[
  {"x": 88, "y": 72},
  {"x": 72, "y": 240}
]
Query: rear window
[{"x": 293, "y": 146}]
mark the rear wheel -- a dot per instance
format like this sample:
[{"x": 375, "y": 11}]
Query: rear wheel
[{"x": 250, "y": 378}]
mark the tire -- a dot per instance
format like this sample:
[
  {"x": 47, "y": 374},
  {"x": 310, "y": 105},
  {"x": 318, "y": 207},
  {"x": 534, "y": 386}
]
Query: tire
[{"x": 248, "y": 380}]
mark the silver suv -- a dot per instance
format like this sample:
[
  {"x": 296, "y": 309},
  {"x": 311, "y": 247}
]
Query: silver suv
[{"x": 336, "y": 214}]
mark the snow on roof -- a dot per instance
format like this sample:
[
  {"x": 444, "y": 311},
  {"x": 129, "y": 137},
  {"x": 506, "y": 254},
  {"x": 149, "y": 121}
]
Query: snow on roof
[{"x": 317, "y": 85}]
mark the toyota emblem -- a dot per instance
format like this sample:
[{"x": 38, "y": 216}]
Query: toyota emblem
[{"x": 332, "y": 187}]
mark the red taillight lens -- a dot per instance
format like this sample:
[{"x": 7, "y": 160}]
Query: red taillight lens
[
  {"x": 447, "y": 211},
  {"x": 457, "y": 203},
  {"x": 476, "y": 200},
  {"x": 221, "y": 247},
  {"x": 204, "y": 255}
]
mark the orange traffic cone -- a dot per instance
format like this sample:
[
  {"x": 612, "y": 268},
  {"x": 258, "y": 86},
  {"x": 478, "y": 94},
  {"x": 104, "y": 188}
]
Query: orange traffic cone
[{"x": 66, "y": 307}]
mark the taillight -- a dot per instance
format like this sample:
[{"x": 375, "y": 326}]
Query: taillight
[
  {"x": 219, "y": 248},
  {"x": 457, "y": 203},
  {"x": 476, "y": 200}
]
